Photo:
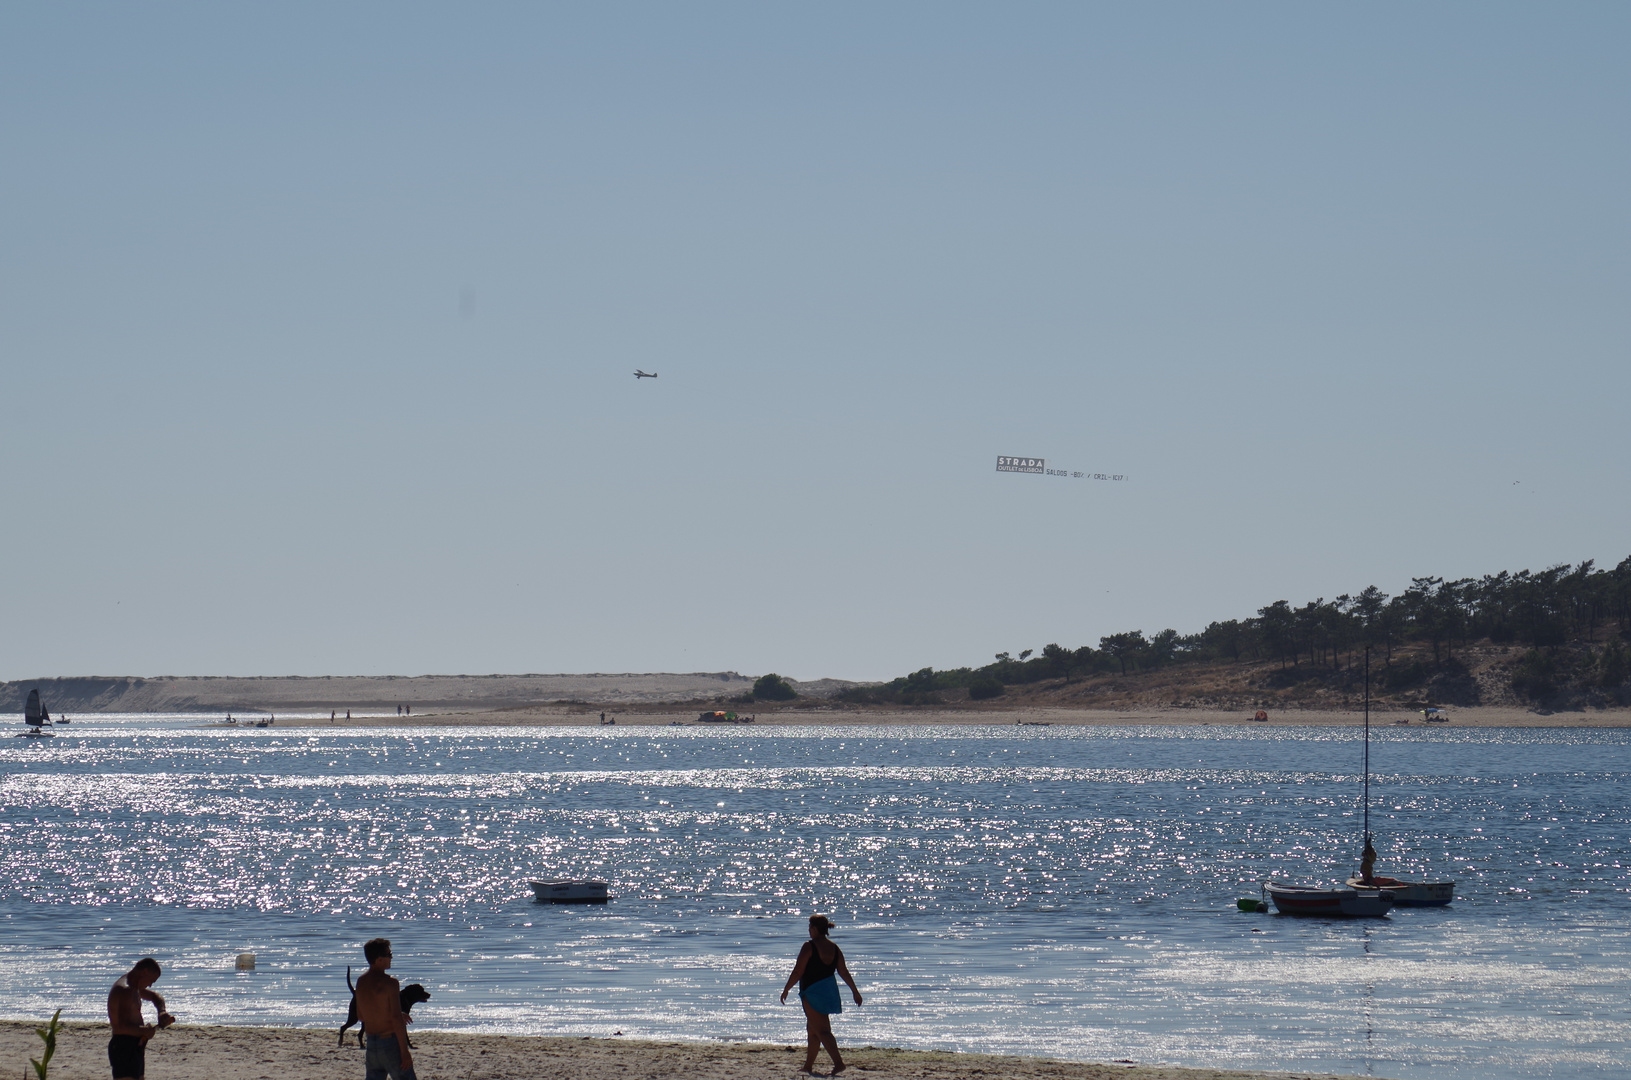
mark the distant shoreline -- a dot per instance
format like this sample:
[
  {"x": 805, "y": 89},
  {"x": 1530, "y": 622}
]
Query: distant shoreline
[
  {"x": 1483, "y": 685},
  {"x": 834, "y": 716},
  {"x": 667, "y": 698},
  {"x": 207, "y": 1052}
]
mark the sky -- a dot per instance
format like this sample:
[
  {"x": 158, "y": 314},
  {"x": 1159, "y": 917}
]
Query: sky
[{"x": 318, "y": 325}]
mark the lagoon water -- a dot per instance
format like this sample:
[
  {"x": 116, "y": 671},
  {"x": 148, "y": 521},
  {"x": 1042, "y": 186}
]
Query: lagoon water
[{"x": 1059, "y": 891}]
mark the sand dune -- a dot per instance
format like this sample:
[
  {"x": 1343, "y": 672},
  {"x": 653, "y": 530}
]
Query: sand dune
[{"x": 168, "y": 694}]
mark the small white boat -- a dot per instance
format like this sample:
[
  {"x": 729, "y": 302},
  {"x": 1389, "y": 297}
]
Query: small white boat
[
  {"x": 1310, "y": 900},
  {"x": 570, "y": 892}
]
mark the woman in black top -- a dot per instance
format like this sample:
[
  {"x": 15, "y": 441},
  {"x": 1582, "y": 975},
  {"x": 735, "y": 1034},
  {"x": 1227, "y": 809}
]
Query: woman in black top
[{"x": 819, "y": 963}]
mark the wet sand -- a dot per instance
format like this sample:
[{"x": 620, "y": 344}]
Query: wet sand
[
  {"x": 212, "y": 1053},
  {"x": 832, "y": 716}
]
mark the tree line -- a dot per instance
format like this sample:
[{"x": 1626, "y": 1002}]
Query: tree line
[{"x": 1542, "y": 611}]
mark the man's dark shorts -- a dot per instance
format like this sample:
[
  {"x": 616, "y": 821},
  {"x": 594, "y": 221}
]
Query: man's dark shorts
[
  {"x": 383, "y": 1060},
  {"x": 128, "y": 1056}
]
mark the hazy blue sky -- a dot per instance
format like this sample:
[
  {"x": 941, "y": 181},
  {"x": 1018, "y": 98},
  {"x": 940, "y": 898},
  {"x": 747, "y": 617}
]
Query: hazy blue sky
[{"x": 317, "y": 324}]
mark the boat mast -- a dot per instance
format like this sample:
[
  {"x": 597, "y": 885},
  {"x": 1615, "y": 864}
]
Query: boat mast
[{"x": 1367, "y": 858}]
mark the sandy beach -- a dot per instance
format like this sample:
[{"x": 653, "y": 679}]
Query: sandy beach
[
  {"x": 833, "y": 716},
  {"x": 240, "y": 1053}
]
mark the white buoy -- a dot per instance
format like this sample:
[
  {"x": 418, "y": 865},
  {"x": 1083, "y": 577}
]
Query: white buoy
[{"x": 245, "y": 961}]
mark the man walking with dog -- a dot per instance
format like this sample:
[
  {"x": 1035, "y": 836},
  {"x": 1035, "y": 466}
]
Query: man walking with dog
[
  {"x": 379, "y": 1007},
  {"x": 127, "y": 1049}
]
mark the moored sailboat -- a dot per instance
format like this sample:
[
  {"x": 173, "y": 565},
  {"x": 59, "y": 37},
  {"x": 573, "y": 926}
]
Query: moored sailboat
[{"x": 1405, "y": 893}]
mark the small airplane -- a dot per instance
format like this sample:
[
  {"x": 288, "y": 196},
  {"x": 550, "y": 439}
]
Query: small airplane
[{"x": 638, "y": 374}]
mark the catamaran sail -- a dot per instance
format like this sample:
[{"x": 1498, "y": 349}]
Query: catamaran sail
[{"x": 35, "y": 716}]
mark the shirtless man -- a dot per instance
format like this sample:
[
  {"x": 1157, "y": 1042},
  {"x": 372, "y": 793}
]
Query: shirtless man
[
  {"x": 379, "y": 1007},
  {"x": 127, "y": 1050}
]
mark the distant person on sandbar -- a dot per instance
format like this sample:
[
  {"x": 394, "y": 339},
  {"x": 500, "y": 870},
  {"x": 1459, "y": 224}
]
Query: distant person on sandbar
[
  {"x": 816, "y": 972},
  {"x": 379, "y": 1007},
  {"x": 127, "y": 1049}
]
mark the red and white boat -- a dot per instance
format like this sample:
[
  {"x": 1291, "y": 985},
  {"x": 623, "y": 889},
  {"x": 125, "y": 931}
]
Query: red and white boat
[
  {"x": 1338, "y": 903},
  {"x": 1409, "y": 893}
]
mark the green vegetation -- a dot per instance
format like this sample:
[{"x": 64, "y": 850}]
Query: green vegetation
[
  {"x": 1534, "y": 677},
  {"x": 985, "y": 686},
  {"x": 773, "y": 687},
  {"x": 1559, "y": 614},
  {"x": 1613, "y": 664},
  {"x": 48, "y": 1035}
]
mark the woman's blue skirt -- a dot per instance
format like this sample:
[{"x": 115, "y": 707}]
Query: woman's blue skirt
[{"x": 823, "y": 996}]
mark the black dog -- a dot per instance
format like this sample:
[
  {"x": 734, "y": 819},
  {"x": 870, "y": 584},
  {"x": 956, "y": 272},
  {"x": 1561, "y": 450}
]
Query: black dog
[{"x": 412, "y": 994}]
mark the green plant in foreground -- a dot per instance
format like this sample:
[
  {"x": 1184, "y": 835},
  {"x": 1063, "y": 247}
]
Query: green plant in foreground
[{"x": 48, "y": 1035}]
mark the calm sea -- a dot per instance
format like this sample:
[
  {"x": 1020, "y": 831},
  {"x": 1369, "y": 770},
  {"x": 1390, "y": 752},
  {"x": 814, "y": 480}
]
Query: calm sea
[{"x": 1058, "y": 891}]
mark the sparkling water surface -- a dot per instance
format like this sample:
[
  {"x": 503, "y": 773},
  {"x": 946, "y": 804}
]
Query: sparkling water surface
[{"x": 1060, "y": 891}]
